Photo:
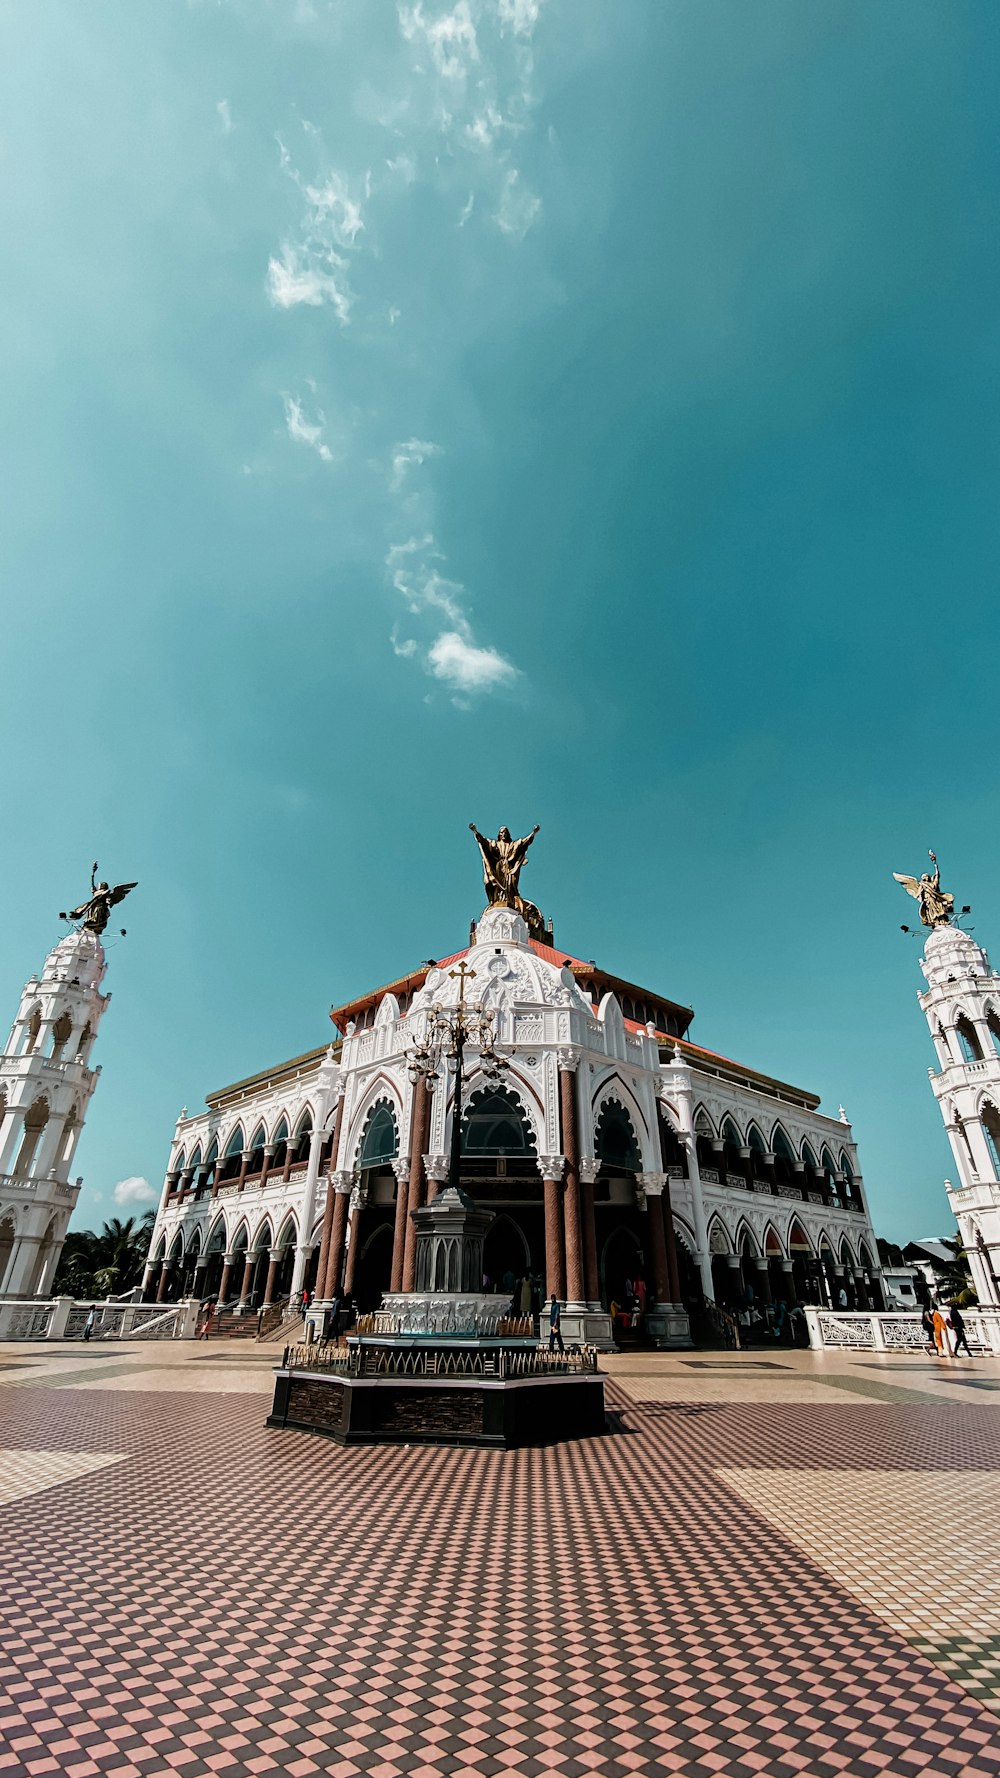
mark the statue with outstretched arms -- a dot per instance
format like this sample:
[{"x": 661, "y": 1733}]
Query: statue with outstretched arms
[
  {"x": 95, "y": 912},
  {"x": 936, "y": 905}
]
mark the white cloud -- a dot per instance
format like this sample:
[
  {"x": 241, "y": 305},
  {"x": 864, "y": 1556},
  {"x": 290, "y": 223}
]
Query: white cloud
[
  {"x": 467, "y": 209},
  {"x": 314, "y": 270},
  {"x": 134, "y": 1191},
  {"x": 307, "y": 432},
  {"x": 225, "y": 116},
  {"x": 521, "y": 15},
  {"x": 405, "y": 649},
  {"x": 518, "y": 207},
  {"x": 450, "y": 37},
  {"x": 409, "y": 455},
  {"x": 300, "y": 278},
  {"x": 465, "y": 667}
]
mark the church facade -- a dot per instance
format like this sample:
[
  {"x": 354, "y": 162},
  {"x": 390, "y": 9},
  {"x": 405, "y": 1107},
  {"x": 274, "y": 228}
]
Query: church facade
[{"x": 616, "y": 1149}]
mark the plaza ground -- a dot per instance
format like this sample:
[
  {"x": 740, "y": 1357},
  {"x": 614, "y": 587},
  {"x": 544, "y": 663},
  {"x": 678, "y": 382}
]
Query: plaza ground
[{"x": 779, "y": 1562}]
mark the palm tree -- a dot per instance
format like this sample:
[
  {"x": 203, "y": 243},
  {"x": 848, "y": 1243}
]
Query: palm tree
[{"x": 97, "y": 1265}]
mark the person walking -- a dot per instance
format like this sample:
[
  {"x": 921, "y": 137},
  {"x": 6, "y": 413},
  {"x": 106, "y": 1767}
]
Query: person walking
[
  {"x": 941, "y": 1333},
  {"x": 958, "y": 1328},
  {"x": 90, "y": 1323},
  {"x": 555, "y": 1331},
  {"x": 524, "y": 1295},
  {"x": 206, "y": 1326},
  {"x": 927, "y": 1323}
]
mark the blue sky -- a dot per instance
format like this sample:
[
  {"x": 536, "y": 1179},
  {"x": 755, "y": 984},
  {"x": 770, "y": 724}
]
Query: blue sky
[{"x": 574, "y": 411}]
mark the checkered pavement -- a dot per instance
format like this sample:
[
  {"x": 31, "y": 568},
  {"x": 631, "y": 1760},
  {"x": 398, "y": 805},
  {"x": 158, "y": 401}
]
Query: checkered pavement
[{"x": 235, "y": 1600}]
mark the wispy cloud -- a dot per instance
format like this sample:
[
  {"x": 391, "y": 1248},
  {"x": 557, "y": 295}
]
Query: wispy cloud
[
  {"x": 225, "y": 117},
  {"x": 304, "y": 431},
  {"x": 134, "y": 1191},
  {"x": 409, "y": 455},
  {"x": 314, "y": 269},
  {"x": 518, "y": 207},
  {"x": 449, "y": 36},
  {"x": 452, "y": 655}
]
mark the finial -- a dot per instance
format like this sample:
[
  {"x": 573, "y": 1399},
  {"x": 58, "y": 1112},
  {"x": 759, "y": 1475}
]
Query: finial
[
  {"x": 95, "y": 912},
  {"x": 843, "y": 1116}
]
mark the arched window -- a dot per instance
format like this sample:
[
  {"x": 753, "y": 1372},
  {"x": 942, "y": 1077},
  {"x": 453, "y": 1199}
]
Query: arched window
[
  {"x": 280, "y": 1140},
  {"x": 256, "y": 1162},
  {"x": 380, "y": 1136},
  {"x": 36, "y": 1118},
  {"x": 61, "y": 1033},
  {"x": 84, "y": 1044},
  {"x": 829, "y": 1169},
  {"x": 232, "y": 1160},
  {"x": 69, "y": 1138},
  {"x": 989, "y": 1117},
  {"x": 731, "y": 1135},
  {"x": 809, "y": 1156},
  {"x": 993, "y": 1022},
  {"x": 968, "y": 1042},
  {"x": 302, "y": 1138},
  {"x": 615, "y": 1141},
  {"x": 34, "y": 1026},
  {"x": 784, "y": 1155},
  {"x": 495, "y": 1124}
]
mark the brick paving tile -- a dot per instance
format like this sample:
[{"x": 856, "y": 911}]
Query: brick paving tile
[{"x": 227, "y": 1599}]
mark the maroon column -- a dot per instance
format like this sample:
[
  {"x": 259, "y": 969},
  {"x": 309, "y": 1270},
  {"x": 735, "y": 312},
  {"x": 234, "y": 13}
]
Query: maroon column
[
  {"x": 161, "y": 1289},
  {"x": 658, "y": 1250},
  {"x": 352, "y": 1251},
  {"x": 227, "y": 1267},
  {"x": 335, "y": 1258},
  {"x": 244, "y": 1163},
  {"x": 272, "y": 1273},
  {"x": 555, "y": 1247},
  {"x": 418, "y": 1179},
  {"x": 571, "y": 1187},
  {"x": 247, "y": 1276},
  {"x": 402, "y": 1171}
]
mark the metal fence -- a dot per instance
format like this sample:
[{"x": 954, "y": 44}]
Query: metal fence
[{"x": 498, "y": 1362}]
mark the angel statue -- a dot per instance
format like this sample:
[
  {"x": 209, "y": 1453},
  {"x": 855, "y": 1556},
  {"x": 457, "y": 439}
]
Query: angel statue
[
  {"x": 503, "y": 861},
  {"x": 96, "y": 911},
  {"x": 936, "y": 905}
]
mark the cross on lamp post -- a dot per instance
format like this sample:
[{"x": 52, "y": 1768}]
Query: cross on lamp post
[{"x": 447, "y": 1034}]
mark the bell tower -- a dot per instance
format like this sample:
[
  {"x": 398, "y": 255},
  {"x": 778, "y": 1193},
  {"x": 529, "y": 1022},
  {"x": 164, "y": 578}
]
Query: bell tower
[
  {"x": 46, "y": 1082},
  {"x": 961, "y": 1004}
]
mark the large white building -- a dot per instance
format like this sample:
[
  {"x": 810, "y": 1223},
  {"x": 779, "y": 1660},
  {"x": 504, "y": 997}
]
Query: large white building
[
  {"x": 46, "y": 1081},
  {"x": 962, "y": 1006},
  {"x": 616, "y": 1148}
]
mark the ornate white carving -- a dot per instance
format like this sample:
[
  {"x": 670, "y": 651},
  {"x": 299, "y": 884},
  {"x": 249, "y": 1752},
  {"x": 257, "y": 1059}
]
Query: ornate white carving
[
  {"x": 436, "y": 1166},
  {"x": 342, "y": 1182},
  {"x": 499, "y": 926},
  {"x": 569, "y": 1059},
  {"x": 589, "y": 1169},
  {"x": 551, "y": 1166},
  {"x": 401, "y": 1168}
]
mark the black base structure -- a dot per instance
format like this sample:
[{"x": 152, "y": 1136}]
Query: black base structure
[{"x": 440, "y": 1391}]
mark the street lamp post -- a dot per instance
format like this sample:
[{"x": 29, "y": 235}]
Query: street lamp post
[{"x": 447, "y": 1034}]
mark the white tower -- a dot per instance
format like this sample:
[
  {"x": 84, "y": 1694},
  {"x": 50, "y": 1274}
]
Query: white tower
[
  {"x": 45, "y": 1085},
  {"x": 962, "y": 1007}
]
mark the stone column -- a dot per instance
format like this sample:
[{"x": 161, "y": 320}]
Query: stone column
[
  {"x": 789, "y": 1281},
  {"x": 244, "y": 1163},
  {"x": 287, "y": 1165},
  {"x": 762, "y": 1279},
  {"x": 679, "y": 1085},
  {"x": 401, "y": 1168},
  {"x": 228, "y": 1260},
  {"x": 307, "y": 1213},
  {"x": 568, "y": 1061},
  {"x": 551, "y": 1167},
  {"x": 328, "y": 1211},
  {"x": 165, "y": 1270},
  {"x": 651, "y": 1185},
  {"x": 420, "y": 1117},
  {"x": 198, "y": 1281},
  {"x": 359, "y": 1198},
  {"x": 152, "y": 1267},
  {"x": 588, "y": 1233},
  {"x": 328, "y": 1285},
  {"x": 274, "y": 1261},
  {"x": 666, "y": 1209},
  {"x": 269, "y": 1153}
]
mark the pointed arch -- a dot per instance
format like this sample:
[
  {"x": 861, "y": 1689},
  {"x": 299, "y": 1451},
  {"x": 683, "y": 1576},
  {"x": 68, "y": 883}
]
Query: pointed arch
[
  {"x": 281, "y": 1129},
  {"x": 379, "y": 1140},
  {"x": 703, "y": 1125},
  {"x": 865, "y": 1256},
  {"x": 616, "y": 1142},
  {"x": 755, "y": 1140},
  {"x": 177, "y": 1246},
  {"x": 746, "y": 1240},
  {"x": 497, "y": 1122},
  {"x": 288, "y": 1233},
  {"x": 610, "y": 1014},
  {"x": 772, "y": 1243},
  {"x": 195, "y": 1160},
  {"x": 258, "y": 1138},
  {"x": 387, "y": 1011},
  {"x": 731, "y": 1134},
  {"x": 263, "y": 1236},
  {"x": 193, "y": 1247},
  {"x": 180, "y": 1162},
  {"x": 798, "y": 1240},
  {"x": 241, "y": 1238},
  {"x": 846, "y": 1256},
  {"x": 237, "y": 1142},
  {"x": 809, "y": 1154},
  {"x": 213, "y": 1152},
  {"x": 968, "y": 1039},
  {"x": 217, "y": 1242},
  {"x": 720, "y": 1240}
]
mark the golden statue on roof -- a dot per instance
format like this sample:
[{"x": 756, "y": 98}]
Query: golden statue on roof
[
  {"x": 936, "y": 905},
  {"x": 503, "y": 861},
  {"x": 95, "y": 912}
]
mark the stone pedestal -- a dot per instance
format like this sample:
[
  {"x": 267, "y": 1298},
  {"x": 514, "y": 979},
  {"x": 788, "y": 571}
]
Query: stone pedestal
[
  {"x": 667, "y": 1325},
  {"x": 582, "y": 1327}
]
